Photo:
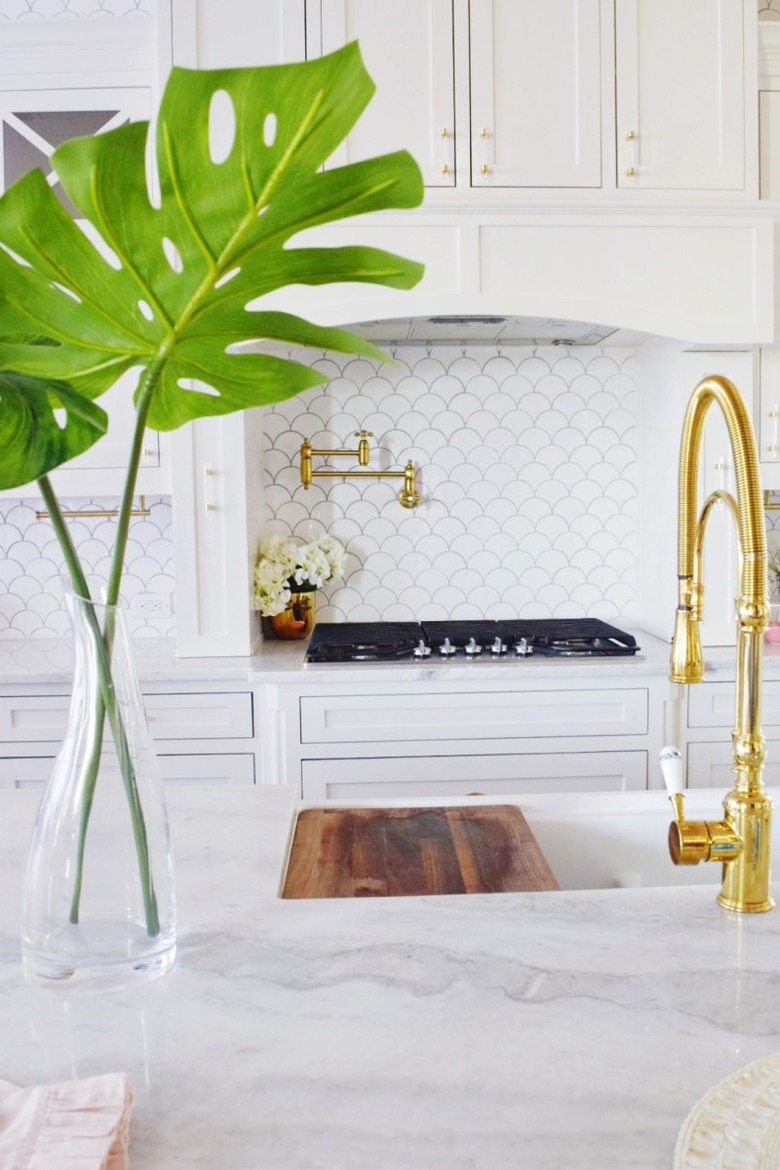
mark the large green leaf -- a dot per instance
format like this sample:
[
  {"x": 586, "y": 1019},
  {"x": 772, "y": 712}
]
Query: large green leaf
[
  {"x": 171, "y": 293},
  {"x": 42, "y": 424}
]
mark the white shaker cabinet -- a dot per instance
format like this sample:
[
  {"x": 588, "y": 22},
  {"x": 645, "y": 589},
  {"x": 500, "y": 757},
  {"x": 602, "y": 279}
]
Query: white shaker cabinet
[
  {"x": 407, "y": 47},
  {"x": 595, "y": 732},
  {"x": 201, "y": 735},
  {"x": 498, "y": 93},
  {"x": 57, "y": 83},
  {"x": 709, "y": 721},
  {"x": 535, "y": 81},
  {"x": 685, "y": 84},
  {"x": 525, "y": 95}
]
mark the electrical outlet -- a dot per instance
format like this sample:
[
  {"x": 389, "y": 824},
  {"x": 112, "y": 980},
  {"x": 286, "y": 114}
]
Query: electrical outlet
[{"x": 152, "y": 604}]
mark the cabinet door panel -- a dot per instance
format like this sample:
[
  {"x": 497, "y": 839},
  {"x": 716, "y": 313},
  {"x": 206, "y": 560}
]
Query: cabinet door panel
[
  {"x": 407, "y": 48},
  {"x": 226, "y": 768},
  {"x": 473, "y": 775},
  {"x": 25, "y": 771},
  {"x": 712, "y": 705},
  {"x": 32, "y": 125},
  {"x": 709, "y": 765},
  {"x": 398, "y": 718},
  {"x": 220, "y": 768},
  {"x": 535, "y": 93},
  {"x": 680, "y": 94},
  {"x": 42, "y": 719}
]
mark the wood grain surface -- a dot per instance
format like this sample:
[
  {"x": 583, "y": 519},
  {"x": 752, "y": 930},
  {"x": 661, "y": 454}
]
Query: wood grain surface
[{"x": 390, "y": 852}]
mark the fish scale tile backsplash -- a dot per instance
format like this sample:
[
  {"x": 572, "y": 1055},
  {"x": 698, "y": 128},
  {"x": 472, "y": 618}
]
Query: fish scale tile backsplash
[
  {"x": 527, "y": 464},
  {"x": 31, "y": 567}
]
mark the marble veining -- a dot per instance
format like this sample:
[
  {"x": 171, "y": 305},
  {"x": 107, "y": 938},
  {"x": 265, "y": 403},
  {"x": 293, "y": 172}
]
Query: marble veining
[{"x": 458, "y": 1033}]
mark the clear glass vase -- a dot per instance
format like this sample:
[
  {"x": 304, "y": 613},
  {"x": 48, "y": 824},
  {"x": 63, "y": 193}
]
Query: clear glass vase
[{"x": 99, "y": 907}]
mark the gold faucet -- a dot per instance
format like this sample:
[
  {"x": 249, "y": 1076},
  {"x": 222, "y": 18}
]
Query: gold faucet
[
  {"x": 742, "y": 839},
  {"x": 408, "y": 497}
]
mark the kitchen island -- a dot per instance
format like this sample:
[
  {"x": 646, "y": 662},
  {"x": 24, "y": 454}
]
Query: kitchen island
[{"x": 464, "y": 1032}]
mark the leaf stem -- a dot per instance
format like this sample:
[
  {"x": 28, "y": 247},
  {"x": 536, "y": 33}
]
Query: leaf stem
[{"x": 105, "y": 701}]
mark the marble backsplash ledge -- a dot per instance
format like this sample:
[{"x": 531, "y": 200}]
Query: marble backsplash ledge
[{"x": 527, "y": 463}]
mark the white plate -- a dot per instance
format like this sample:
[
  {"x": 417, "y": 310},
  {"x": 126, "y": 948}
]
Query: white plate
[{"x": 736, "y": 1126}]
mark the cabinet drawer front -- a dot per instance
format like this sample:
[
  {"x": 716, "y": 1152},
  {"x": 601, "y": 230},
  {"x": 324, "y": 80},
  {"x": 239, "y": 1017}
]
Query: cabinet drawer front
[
  {"x": 709, "y": 765},
  {"x": 533, "y": 714},
  {"x": 25, "y": 771},
  {"x": 712, "y": 704},
  {"x": 183, "y": 716},
  {"x": 220, "y": 768},
  {"x": 204, "y": 716},
  {"x": 415, "y": 776}
]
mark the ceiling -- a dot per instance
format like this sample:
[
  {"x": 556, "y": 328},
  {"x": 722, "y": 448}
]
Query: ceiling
[{"x": 493, "y": 329}]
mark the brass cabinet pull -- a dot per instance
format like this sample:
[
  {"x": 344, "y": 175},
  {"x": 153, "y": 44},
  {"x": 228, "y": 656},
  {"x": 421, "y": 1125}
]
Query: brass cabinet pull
[
  {"x": 444, "y": 169},
  {"x": 631, "y": 169},
  {"x": 99, "y": 513}
]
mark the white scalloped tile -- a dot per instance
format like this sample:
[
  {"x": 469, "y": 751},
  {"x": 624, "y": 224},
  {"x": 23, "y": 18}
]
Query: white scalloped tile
[
  {"x": 36, "y": 10},
  {"x": 32, "y": 569},
  {"x": 527, "y": 462}
]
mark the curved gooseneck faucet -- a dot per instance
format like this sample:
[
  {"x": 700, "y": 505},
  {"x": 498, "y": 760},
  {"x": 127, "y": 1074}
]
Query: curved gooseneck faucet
[{"x": 742, "y": 839}]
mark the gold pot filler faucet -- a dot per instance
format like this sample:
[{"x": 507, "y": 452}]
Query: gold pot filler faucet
[{"x": 742, "y": 839}]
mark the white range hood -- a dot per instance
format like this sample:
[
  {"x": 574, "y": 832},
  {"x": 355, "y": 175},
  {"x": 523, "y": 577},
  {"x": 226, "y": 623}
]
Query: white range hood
[
  {"x": 493, "y": 329},
  {"x": 698, "y": 276}
]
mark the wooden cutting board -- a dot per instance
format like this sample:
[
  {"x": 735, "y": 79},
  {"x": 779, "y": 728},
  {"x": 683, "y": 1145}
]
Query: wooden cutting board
[{"x": 387, "y": 852}]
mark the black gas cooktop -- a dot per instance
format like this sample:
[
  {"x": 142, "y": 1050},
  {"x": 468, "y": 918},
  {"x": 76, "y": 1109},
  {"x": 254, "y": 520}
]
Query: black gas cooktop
[{"x": 478, "y": 640}]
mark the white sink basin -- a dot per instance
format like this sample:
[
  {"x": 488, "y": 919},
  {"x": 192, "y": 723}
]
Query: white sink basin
[{"x": 604, "y": 840}]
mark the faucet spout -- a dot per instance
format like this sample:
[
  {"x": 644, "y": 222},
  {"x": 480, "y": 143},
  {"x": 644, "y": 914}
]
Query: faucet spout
[{"x": 744, "y": 833}]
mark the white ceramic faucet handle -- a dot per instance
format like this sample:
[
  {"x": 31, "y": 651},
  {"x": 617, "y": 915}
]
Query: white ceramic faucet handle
[{"x": 672, "y": 770}]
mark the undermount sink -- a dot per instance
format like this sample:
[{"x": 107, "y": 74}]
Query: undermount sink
[{"x": 584, "y": 841}]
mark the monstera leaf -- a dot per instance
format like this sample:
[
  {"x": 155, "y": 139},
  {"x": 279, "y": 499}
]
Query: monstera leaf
[
  {"x": 36, "y": 441},
  {"x": 176, "y": 288}
]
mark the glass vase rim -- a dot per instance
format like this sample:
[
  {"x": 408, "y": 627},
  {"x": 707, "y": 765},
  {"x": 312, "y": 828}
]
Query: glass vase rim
[{"x": 71, "y": 593}]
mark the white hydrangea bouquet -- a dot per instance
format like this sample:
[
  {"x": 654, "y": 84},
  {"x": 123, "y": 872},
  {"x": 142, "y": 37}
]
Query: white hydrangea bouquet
[{"x": 284, "y": 566}]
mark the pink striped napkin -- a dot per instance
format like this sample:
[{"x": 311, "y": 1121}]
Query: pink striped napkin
[{"x": 73, "y": 1125}]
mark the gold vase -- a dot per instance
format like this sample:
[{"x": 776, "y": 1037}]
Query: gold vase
[{"x": 297, "y": 618}]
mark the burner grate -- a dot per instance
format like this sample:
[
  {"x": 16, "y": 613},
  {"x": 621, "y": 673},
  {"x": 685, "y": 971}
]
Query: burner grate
[
  {"x": 583, "y": 637},
  {"x": 362, "y": 641}
]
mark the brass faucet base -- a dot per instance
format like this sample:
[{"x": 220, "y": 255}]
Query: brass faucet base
[{"x": 742, "y": 907}]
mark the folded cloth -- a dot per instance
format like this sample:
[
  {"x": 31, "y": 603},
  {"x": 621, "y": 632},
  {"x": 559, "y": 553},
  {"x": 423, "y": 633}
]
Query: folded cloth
[{"x": 74, "y": 1125}]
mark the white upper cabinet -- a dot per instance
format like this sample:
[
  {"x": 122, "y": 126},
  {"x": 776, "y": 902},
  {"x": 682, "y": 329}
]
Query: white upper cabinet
[
  {"x": 561, "y": 94},
  {"x": 407, "y": 47},
  {"x": 535, "y": 93},
  {"x": 682, "y": 75},
  {"x": 496, "y": 93}
]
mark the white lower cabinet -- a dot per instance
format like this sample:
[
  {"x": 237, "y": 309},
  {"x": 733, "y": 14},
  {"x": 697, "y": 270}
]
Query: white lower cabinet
[
  {"x": 473, "y": 775},
  {"x": 419, "y": 741},
  {"x": 710, "y": 721},
  {"x": 201, "y": 736}
]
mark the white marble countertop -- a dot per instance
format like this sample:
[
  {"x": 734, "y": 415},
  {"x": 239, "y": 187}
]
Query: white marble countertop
[
  {"x": 31, "y": 663},
  {"x": 460, "y": 1033}
]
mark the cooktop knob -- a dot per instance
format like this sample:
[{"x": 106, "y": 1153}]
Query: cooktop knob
[
  {"x": 498, "y": 647},
  {"x": 421, "y": 650},
  {"x": 522, "y": 648},
  {"x": 472, "y": 647},
  {"x": 447, "y": 648}
]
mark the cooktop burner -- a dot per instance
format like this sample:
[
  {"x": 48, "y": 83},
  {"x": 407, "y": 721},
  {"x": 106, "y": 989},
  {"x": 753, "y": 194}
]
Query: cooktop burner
[{"x": 482, "y": 640}]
